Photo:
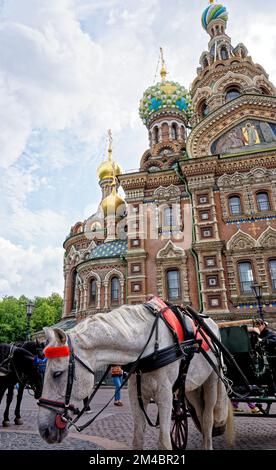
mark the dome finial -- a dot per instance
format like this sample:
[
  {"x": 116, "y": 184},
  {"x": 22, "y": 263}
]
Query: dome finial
[
  {"x": 105, "y": 170},
  {"x": 110, "y": 145},
  {"x": 163, "y": 71}
]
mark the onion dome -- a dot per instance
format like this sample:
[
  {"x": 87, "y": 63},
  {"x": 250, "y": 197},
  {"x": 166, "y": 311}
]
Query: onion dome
[
  {"x": 107, "y": 168},
  {"x": 167, "y": 96},
  {"x": 215, "y": 11},
  {"x": 111, "y": 203}
]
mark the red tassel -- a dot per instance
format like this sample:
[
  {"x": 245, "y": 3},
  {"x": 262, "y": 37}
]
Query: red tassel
[{"x": 52, "y": 352}]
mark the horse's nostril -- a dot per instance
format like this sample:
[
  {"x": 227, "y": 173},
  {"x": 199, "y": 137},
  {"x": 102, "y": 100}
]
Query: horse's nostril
[{"x": 46, "y": 433}]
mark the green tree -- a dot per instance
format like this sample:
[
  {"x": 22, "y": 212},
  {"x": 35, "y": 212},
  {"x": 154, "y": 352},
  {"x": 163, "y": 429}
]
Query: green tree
[
  {"x": 47, "y": 312},
  {"x": 12, "y": 319}
]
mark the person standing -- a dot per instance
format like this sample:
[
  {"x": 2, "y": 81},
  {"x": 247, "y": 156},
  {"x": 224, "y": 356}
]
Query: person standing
[
  {"x": 117, "y": 377},
  {"x": 266, "y": 336},
  {"x": 40, "y": 362}
]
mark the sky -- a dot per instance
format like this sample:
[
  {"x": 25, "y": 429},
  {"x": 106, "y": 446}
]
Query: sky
[{"x": 69, "y": 71}]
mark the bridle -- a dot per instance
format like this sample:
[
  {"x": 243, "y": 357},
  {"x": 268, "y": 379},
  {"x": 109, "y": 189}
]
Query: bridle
[{"x": 62, "y": 416}]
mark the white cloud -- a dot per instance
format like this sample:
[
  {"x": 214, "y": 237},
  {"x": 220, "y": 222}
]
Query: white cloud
[
  {"x": 47, "y": 69},
  {"x": 29, "y": 271}
]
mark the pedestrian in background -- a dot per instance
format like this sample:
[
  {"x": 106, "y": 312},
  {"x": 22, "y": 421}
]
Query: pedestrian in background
[{"x": 117, "y": 377}]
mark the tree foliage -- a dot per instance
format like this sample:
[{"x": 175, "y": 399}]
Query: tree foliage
[{"x": 13, "y": 320}]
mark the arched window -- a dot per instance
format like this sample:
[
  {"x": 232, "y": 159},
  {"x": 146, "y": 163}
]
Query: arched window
[
  {"x": 156, "y": 135},
  {"x": 153, "y": 168},
  {"x": 272, "y": 271},
  {"x": 204, "y": 109},
  {"x": 263, "y": 203},
  {"x": 232, "y": 93},
  {"x": 174, "y": 131},
  {"x": 235, "y": 205},
  {"x": 165, "y": 131},
  {"x": 224, "y": 53},
  {"x": 173, "y": 284},
  {"x": 168, "y": 216},
  {"x": 246, "y": 277},
  {"x": 115, "y": 290},
  {"x": 93, "y": 291}
]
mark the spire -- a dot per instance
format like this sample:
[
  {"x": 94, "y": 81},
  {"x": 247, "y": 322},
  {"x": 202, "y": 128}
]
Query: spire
[
  {"x": 110, "y": 146},
  {"x": 163, "y": 71}
]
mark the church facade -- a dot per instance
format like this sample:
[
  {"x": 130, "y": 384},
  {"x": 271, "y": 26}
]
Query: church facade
[{"x": 198, "y": 222}]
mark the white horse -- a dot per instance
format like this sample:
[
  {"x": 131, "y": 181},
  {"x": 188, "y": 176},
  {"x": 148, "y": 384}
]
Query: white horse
[
  {"x": 207, "y": 395},
  {"x": 116, "y": 337}
]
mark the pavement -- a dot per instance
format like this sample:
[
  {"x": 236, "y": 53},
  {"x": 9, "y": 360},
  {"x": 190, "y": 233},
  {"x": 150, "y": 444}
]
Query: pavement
[{"x": 113, "y": 429}]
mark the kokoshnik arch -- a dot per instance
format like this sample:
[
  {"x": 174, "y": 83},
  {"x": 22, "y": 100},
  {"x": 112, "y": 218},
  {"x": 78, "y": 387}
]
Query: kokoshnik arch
[{"x": 198, "y": 221}]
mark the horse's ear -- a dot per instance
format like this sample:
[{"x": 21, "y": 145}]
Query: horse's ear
[
  {"x": 60, "y": 335},
  {"x": 49, "y": 334}
]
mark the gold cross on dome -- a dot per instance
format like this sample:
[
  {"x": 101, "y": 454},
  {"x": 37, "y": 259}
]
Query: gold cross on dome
[{"x": 110, "y": 144}]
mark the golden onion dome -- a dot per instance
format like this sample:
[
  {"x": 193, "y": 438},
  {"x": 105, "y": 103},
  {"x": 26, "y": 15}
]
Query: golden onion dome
[
  {"x": 111, "y": 203},
  {"x": 105, "y": 170}
]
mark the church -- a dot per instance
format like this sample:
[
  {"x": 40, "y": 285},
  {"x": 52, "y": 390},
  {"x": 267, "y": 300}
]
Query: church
[{"x": 197, "y": 224}]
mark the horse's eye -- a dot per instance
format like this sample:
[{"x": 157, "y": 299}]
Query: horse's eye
[{"x": 57, "y": 374}]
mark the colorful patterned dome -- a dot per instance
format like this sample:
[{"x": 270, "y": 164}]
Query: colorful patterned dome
[
  {"x": 165, "y": 95},
  {"x": 213, "y": 12}
]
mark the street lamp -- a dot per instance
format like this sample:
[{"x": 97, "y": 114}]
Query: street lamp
[
  {"x": 29, "y": 312},
  {"x": 257, "y": 289}
]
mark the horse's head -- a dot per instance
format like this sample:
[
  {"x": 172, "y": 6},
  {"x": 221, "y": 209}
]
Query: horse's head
[{"x": 66, "y": 384}]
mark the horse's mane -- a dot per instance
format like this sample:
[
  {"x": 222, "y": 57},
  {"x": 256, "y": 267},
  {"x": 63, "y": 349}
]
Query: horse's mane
[
  {"x": 124, "y": 319},
  {"x": 18, "y": 352}
]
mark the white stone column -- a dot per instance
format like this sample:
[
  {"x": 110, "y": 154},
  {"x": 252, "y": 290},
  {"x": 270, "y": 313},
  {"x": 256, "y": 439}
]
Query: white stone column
[
  {"x": 84, "y": 304},
  {"x": 122, "y": 283},
  {"x": 65, "y": 292},
  {"x": 98, "y": 294},
  {"x": 105, "y": 294},
  {"x": 78, "y": 299}
]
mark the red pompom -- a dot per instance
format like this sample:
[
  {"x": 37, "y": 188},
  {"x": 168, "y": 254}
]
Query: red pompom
[{"x": 52, "y": 352}]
